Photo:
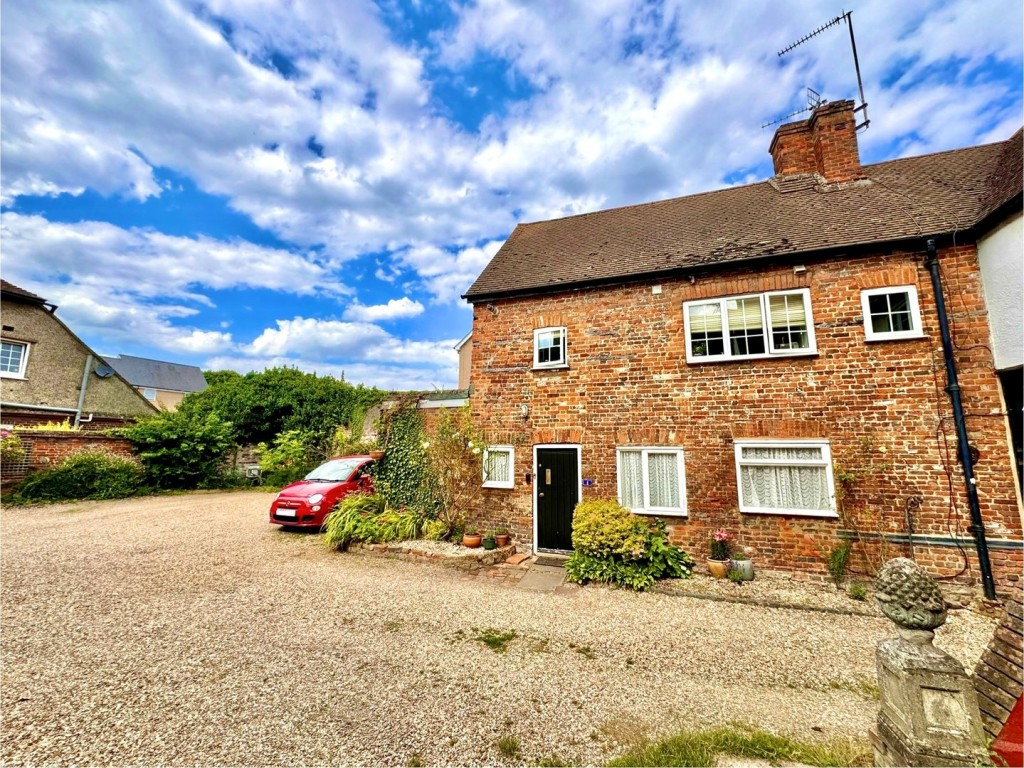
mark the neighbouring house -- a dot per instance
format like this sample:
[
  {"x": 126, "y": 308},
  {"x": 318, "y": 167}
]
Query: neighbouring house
[
  {"x": 48, "y": 374},
  {"x": 161, "y": 383},
  {"x": 768, "y": 359},
  {"x": 465, "y": 350}
]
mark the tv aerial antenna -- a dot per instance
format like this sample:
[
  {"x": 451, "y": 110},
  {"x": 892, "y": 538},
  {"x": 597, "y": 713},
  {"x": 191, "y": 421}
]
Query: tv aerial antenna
[{"x": 813, "y": 97}]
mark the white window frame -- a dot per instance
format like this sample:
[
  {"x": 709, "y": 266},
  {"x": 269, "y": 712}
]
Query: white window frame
[
  {"x": 825, "y": 461},
  {"x": 645, "y": 451},
  {"x": 812, "y": 348},
  {"x": 917, "y": 332},
  {"x": 24, "y": 359},
  {"x": 511, "y": 451},
  {"x": 564, "y": 362},
  {"x": 147, "y": 391}
]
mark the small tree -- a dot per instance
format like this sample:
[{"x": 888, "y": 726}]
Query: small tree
[
  {"x": 455, "y": 452},
  {"x": 179, "y": 450}
]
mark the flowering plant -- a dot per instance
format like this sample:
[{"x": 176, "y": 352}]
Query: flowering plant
[
  {"x": 11, "y": 447},
  {"x": 721, "y": 544}
]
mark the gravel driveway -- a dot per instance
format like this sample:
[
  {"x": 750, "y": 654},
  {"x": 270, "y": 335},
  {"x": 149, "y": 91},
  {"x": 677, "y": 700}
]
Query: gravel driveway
[{"x": 186, "y": 630}]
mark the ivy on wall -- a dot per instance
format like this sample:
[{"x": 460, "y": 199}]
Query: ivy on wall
[{"x": 404, "y": 475}]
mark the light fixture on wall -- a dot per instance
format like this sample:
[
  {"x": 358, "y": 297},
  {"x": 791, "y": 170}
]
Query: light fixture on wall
[
  {"x": 799, "y": 269},
  {"x": 492, "y": 309},
  {"x": 524, "y": 411}
]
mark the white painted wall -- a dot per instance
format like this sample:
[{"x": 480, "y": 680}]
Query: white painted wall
[{"x": 1001, "y": 254}]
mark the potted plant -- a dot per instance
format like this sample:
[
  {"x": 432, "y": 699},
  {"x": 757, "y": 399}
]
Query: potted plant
[
  {"x": 471, "y": 537},
  {"x": 721, "y": 549},
  {"x": 489, "y": 542},
  {"x": 742, "y": 565},
  {"x": 376, "y": 455},
  {"x": 502, "y": 537}
]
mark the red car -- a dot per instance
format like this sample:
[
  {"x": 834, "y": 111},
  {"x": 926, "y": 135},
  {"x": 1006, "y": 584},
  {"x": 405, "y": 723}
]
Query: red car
[{"x": 305, "y": 503}]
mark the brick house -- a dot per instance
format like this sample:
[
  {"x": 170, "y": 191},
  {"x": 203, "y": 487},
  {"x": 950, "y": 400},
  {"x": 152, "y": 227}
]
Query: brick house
[
  {"x": 48, "y": 374},
  {"x": 764, "y": 358}
]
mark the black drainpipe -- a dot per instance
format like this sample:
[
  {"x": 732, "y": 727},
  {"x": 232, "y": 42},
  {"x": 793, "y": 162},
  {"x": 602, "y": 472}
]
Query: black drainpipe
[{"x": 963, "y": 447}]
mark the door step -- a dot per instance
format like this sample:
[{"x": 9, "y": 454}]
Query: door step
[{"x": 544, "y": 558}]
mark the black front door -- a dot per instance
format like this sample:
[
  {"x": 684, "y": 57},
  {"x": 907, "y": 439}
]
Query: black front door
[{"x": 558, "y": 491}]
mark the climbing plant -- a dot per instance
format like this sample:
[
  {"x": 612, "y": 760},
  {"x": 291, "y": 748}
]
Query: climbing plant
[{"x": 404, "y": 475}]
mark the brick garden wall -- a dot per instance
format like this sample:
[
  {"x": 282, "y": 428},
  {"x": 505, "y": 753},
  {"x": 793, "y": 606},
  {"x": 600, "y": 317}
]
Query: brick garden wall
[
  {"x": 46, "y": 449},
  {"x": 882, "y": 405}
]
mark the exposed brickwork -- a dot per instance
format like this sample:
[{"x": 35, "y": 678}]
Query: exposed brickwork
[
  {"x": 825, "y": 143},
  {"x": 882, "y": 405},
  {"x": 998, "y": 675},
  {"x": 46, "y": 449}
]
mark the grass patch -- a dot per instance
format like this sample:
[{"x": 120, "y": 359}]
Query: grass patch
[
  {"x": 702, "y": 748},
  {"x": 861, "y": 686},
  {"x": 496, "y": 639},
  {"x": 415, "y": 761},
  {"x": 584, "y": 650},
  {"x": 625, "y": 730},
  {"x": 508, "y": 746}
]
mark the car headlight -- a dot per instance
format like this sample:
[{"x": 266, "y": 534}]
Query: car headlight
[{"x": 316, "y": 498}]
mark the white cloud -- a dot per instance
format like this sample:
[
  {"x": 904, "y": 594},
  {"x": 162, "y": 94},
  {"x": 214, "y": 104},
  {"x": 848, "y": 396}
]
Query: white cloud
[
  {"x": 149, "y": 263},
  {"x": 334, "y": 340},
  {"x": 393, "y": 310}
]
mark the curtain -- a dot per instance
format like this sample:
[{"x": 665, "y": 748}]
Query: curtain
[
  {"x": 663, "y": 474},
  {"x": 498, "y": 466},
  {"x": 784, "y": 487},
  {"x": 631, "y": 479}
]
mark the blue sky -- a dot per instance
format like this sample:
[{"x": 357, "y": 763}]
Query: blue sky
[{"x": 240, "y": 184}]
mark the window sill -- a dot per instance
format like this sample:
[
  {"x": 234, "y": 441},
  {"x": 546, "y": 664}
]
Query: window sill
[
  {"x": 911, "y": 337},
  {"x": 747, "y": 358},
  {"x": 499, "y": 486},
  {"x": 660, "y": 512},
  {"x": 562, "y": 367},
  {"x": 13, "y": 376},
  {"x": 825, "y": 514}
]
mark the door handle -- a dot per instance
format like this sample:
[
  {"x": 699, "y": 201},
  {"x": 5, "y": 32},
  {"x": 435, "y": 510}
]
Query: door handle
[{"x": 540, "y": 495}]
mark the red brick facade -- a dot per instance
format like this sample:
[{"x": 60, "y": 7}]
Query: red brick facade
[{"x": 882, "y": 406}]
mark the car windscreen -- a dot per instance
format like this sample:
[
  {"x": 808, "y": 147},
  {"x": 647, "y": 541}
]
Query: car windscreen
[{"x": 335, "y": 471}]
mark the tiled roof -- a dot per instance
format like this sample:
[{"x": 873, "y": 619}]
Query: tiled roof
[
  {"x": 14, "y": 292},
  {"x": 900, "y": 199},
  {"x": 157, "y": 374}
]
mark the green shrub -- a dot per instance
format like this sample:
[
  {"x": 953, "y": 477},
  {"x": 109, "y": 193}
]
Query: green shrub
[
  {"x": 857, "y": 590},
  {"x": 602, "y": 528},
  {"x": 367, "y": 518},
  {"x": 292, "y": 457},
  {"x": 614, "y": 546},
  {"x": 87, "y": 475},
  {"x": 404, "y": 475},
  {"x": 838, "y": 560},
  {"x": 434, "y": 530},
  {"x": 179, "y": 450}
]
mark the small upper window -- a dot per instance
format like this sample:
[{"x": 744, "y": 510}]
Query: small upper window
[
  {"x": 499, "y": 466},
  {"x": 13, "y": 359},
  {"x": 745, "y": 327},
  {"x": 149, "y": 393},
  {"x": 891, "y": 313},
  {"x": 549, "y": 348}
]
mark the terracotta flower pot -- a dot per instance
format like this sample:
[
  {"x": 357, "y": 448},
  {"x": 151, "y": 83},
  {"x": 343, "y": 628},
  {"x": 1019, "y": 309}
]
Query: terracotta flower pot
[
  {"x": 376, "y": 455},
  {"x": 471, "y": 540},
  {"x": 502, "y": 539},
  {"x": 719, "y": 568}
]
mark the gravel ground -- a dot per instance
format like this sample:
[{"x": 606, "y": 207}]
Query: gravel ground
[{"x": 186, "y": 630}]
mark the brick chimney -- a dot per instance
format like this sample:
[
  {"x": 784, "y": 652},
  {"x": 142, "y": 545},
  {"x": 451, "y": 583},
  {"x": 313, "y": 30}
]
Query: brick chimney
[{"x": 825, "y": 143}]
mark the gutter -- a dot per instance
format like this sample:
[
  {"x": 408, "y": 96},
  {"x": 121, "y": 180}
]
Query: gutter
[
  {"x": 963, "y": 446},
  {"x": 29, "y": 407}
]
